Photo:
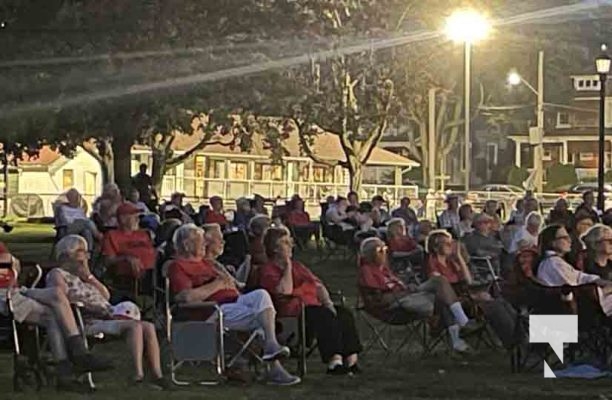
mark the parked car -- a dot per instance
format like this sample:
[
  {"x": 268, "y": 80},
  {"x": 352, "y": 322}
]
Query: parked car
[
  {"x": 583, "y": 187},
  {"x": 497, "y": 192}
]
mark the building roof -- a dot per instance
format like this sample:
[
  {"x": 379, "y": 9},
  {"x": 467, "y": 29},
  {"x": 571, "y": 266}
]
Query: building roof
[
  {"x": 326, "y": 146},
  {"x": 46, "y": 156}
]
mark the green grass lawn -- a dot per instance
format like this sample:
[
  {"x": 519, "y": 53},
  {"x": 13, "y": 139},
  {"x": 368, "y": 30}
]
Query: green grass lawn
[{"x": 482, "y": 376}]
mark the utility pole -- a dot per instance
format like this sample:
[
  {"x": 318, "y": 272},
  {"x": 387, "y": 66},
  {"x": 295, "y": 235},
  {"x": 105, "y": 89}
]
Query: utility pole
[
  {"x": 467, "y": 113},
  {"x": 538, "y": 153},
  {"x": 431, "y": 151}
]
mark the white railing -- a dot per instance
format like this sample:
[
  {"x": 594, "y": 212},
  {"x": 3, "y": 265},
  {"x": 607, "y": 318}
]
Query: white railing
[{"x": 312, "y": 192}]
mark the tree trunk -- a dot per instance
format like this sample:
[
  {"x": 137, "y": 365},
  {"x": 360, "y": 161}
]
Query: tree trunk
[
  {"x": 355, "y": 176},
  {"x": 158, "y": 168},
  {"x": 107, "y": 160},
  {"x": 122, "y": 150}
]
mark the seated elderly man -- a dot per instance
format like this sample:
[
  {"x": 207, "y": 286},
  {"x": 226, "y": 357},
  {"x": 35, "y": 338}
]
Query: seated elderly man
[
  {"x": 128, "y": 250},
  {"x": 50, "y": 309},
  {"x": 215, "y": 245},
  {"x": 405, "y": 212},
  {"x": 75, "y": 281},
  {"x": 148, "y": 220},
  {"x": 375, "y": 274},
  {"x": 70, "y": 218},
  {"x": 482, "y": 242},
  {"x": 193, "y": 279}
]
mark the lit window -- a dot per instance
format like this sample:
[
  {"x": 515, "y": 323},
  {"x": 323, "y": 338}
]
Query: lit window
[
  {"x": 587, "y": 156},
  {"x": 68, "y": 179},
  {"x": 216, "y": 169},
  {"x": 238, "y": 171}
]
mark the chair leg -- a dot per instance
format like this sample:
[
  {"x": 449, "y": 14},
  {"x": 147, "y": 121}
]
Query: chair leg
[{"x": 79, "y": 319}]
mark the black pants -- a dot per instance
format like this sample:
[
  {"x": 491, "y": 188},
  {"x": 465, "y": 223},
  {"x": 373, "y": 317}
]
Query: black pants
[{"x": 335, "y": 334}]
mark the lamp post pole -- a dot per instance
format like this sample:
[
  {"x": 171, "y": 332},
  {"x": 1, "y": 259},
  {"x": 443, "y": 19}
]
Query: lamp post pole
[
  {"x": 467, "y": 116},
  {"x": 539, "y": 153},
  {"x": 602, "y": 133}
]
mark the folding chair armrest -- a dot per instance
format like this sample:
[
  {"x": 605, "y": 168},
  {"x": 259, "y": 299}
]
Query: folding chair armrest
[
  {"x": 481, "y": 258},
  {"x": 197, "y": 306},
  {"x": 338, "y": 297},
  {"x": 77, "y": 305}
]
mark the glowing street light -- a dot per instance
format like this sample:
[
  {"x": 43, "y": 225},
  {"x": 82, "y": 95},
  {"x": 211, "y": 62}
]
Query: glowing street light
[
  {"x": 467, "y": 27},
  {"x": 514, "y": 79}
]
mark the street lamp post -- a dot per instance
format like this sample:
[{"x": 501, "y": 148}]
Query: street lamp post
[
  {"x": 603, "y": 68},
  {"x": 538, "y": 154},
  {"x": 467, "y": 27}
]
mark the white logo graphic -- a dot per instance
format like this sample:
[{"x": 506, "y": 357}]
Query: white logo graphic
[{"x": 555, "y": 330}]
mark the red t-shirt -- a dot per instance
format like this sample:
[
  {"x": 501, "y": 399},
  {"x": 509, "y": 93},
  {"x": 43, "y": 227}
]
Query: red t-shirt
[
  {"x": 190, "y": 274},
  {"x": 304, "y": 286},
  {"x": 402, "y": 243},
  {"x": 136, "y": 244},
  {"x": 379, "y": 277},
  {"x": 298, "y": 218},
  {"x": 451, "y": 270},
  {"x": 213, "y": 217}
]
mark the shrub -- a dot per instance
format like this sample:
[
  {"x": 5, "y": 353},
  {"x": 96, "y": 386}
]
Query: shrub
[
  {"x": 517, "y": 175},
  {"x": 560, "y": 175}
]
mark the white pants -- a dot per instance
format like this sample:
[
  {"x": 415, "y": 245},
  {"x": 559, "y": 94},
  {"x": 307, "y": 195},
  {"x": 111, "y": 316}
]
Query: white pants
[{"x": 243, "y": 314}]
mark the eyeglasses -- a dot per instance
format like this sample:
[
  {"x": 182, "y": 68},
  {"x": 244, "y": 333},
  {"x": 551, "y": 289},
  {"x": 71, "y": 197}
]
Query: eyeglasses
[{"x": 382, "y": 249}]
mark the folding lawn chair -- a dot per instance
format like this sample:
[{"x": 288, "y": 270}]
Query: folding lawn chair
[
  {"x": 27, "y": 359},
  {"x": 380, "y": 318},
  {"x": 198, "y": 340}
]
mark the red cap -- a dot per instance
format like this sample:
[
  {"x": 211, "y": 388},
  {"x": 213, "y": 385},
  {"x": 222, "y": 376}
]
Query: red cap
[{"x": 127, "y": 208}]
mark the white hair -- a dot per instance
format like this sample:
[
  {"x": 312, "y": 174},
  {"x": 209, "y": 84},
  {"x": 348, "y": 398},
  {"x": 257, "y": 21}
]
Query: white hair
[
  {"x": 65, "y": 248},
  {"x": 368, "y": 247},
  {"x": 534, "y": 218},
  {"x": 209, "y": 229},
  {"x": 258, "y": 224},
  {"x": 594, "y": 234},
  {"x": 182, "y": 239}
]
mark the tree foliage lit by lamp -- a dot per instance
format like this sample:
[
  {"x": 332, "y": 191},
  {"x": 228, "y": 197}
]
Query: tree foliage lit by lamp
[{"x": 602, "y": 63}]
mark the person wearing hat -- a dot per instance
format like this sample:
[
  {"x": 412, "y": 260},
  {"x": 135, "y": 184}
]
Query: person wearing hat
[
  {"x": 379, "y": 215},
  {"x": 175, "y": 209},
  {"x": 449, "y": 219},
  {"x": 482, "y": 242},
  {"x": 528, "y": 234},
  {"x": 128, "y": 250}
]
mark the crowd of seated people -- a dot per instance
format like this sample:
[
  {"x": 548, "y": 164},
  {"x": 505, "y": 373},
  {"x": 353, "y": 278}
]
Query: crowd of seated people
[{"x": 572, "y": 250}]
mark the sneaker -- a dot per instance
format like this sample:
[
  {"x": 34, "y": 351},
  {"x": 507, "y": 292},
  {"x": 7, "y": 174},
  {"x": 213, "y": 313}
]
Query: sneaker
[
  {"x": 275, "y": 354},
  {"x": 280, "y": 377},
  {"x": 337, "y": 370},
  {"x": 461, "y": 346},
  {"x": 90, "y": 363}
]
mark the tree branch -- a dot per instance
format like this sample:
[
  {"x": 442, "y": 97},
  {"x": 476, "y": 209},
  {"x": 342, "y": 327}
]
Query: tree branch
[
  {"x": 308, "y": 150},
  {"x": 201, "y": 144}
]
